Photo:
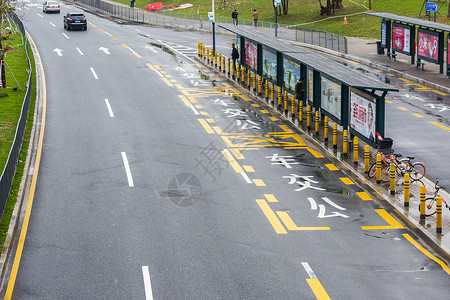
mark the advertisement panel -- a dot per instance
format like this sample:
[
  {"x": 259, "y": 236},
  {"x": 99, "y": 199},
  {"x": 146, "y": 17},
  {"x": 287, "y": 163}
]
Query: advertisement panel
[
  {"x": 331, "y": 97},
  {"x": 310, "y": 86},
  {"x": 362, "y": 115},
  {"x": 291, "y": 73},
  {"x": 448, "y": 50},
  {"x": 383, "y": 33},
  {"x": 401, "y": 36},
  {"x": 428, "y": 45},
  {"x": 251, "y": 55},
  {"x": 269, "y": 64}
]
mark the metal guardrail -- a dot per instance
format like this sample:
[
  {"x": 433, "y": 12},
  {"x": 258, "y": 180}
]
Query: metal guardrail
[
  {"x": 13, "y": 157},
  {"x": 200, "y": 23}
]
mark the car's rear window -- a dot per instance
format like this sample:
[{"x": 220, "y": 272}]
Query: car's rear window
[{"x": 77, "y": 15}]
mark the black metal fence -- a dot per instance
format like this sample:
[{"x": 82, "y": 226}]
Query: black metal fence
[{"x": 11, "y": 164}]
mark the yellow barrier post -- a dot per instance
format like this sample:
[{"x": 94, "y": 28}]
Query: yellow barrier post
[
  {"x": 355, "y": 150},
  {"x": 325, "y": 128},
  {"x": 215, "y": 59},
  {"x": 285, "y": 103},
  {"x": 266, "y": 87},
  {"x": 335, "y": 135},
  {"x": 198, "y": 50},
  {"x": 300, "y": 111},
  {"x": 272, "y": 94},
  {"x": 207, "y": 49},
  {"x": 378, "y": 168},
  {"x": 345, "y": 143},
  {"x": 220, "y": 61},
  {"x": 422, "y": 202},
  {"x": 259, "y": 85},
  {"x": 212, "y": 57},
  {"x": 223, "y": 64},
  {"x": 366, "y": 159},
  {"x": 204, "y": 52},
  {"x": 254, "y": 82},
  {"x": 243, "y": 75},
  {"x": 279, "y": 95},
  {"x": 392, "y": 178},
  {"x": 238, "y": 72},
  {"x": 293, "y": 107},
  {"x": 229, "y": 67},
  {"x": 439, "y": 214},
  {"x": 308, "y": 116},
  {"x": 406, "y": 190},
  {"x": 317, "y": 122}
]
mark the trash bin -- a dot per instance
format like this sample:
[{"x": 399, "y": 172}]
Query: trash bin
[{"x": 380, "y": 50}]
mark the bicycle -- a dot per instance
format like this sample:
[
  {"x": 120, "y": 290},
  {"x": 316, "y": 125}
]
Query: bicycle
[
  {"x": 430, "y": 202},
  {"x": 415, "y": 170}
]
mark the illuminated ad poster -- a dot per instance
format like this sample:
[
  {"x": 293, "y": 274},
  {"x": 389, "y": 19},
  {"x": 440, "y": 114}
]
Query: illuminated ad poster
[
  {"x": 251, "y": 55},
  {"x": 362, "y": 116},
  {"x": 428, "y": 45},
  {"x": 448, "y": 49},
  {"x": 310, "y": 85},
  {"x": 384, "y": 33},
  {"x": 269, "y": 64},
  {"x": 331, "y": 97},
  {"x": 291, "y": 73},
  {"x": 401, "y": 36}
]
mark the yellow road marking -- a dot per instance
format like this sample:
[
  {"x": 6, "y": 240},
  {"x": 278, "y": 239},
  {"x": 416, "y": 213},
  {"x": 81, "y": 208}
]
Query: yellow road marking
[
  {"x": 331, "y": 167},
  {"x": 172, "y": 80},
  {"x": 186, "y": 101},
  {"x": 318, "y": 289},
  {"x": 259, "y": 182},
  {"x": 419, "y": 116},
  {"x": 159, "y": 66},
  {"x": 192, "y": 99},
  {"x": 102, "y": 30},
  {"x": 125, "y": 45},
  {"x": 137, "y": 54},
  {"x": 199, "y": 106},
  {"x": 204, "y": 113},
  {"x": 210, "y": 121},
  {"x": 248, "y": 169},
  {"x": 255, "y": 105},
  {"x": 346, "y": 180},
  {"x": 234, "y": 164},
  {"x": 286, "y": 129},
  {"x": 93, "y": 25},
  {"x": 390, "y": 74},
  {"x": 237, "y": 153},
  {"x": 179, "y": 86},
  {"x": 316, "y": 154},
  {"x": 245, "y": 98},
  {"x": 151, "y": 67},
  {"x": 167, "y": 81},
  {"x": 393, "y": 224},
  {"x": 163, "y": 72},
  {"x": 387, "y": 101},
  {"x": 206, "y": 126},
  {"x": 273, "y": 118},
  {"x": 290, "y": 225},
  {"x": 402, "y": 108},
  {"x": 114, "y": 38},
  {"x": 270, "y": 215},
  {"x": 364, "y": 196},
  {"x": 270, "y": 198},
  {"x": 427, "y": 253},
  {"x": 169, "y": 76},
  {"x": 439, "y": 125},
  {"x": 26, "y": 219},
  {"x": 440, "y": 93},
  {"x": 264, "y": 111}
]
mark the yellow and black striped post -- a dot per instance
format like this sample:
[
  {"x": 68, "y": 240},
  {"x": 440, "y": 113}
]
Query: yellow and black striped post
[
  {"x": 439, "y": 214},
  {"x": 254, "y": 82},
  {"x": 293, "y": 108},
  {"x": 355, "y": 150},
  {"x": 285, "y": 103},
  {"x": 325, "y": 128},
  {"x": 392, "y": 178},
  {"x": 207, "y": 51},
  {"x": 229, "y": 67},
  {"x": 223, "y": 64},
  {"x": 272, "y": 94},
  {"x": 335, "y": 135},
  {"x": 406, "y": 190},
  {"x": 215, "y": 59},
  {"x": 279, "y": 97},
  {"x": 259, "y": 85},
  {"x": 300, "y": 111},
  {"x": 366, "y": 159},
  {"x": 248, "y": 79},
  {"x": 308, "y": 117},
  {"x": 317, "y": 122},
  {"x": 220, "y": 61},
  {"x": 266, "y": 87},
  {"x": 345, "y": 143},
  {"x": 238, "y": 72},
  {"x": 243, "y": 75},
  {"x": 422, "y": 202},
  {"x": 204, "y": 52},
  {"x": 378, "y": 168},
  {"x": 198, "y": 50}
]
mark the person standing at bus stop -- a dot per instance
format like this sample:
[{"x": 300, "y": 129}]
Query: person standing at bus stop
[
  {"x": 234, "y": 55},
  {"x": 255, "y": 17},
  {"x": 299, "y": 91},
  {"x": 234, "y": 15}
]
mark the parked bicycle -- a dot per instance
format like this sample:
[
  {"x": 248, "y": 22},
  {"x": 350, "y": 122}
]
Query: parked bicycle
[
  {"x": 416, "y": 170},
  {"x": 430, "y": 202}
]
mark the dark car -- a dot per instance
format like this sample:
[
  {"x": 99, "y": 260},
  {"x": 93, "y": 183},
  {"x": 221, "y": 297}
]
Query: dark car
[{"x": 75, "y": 20}]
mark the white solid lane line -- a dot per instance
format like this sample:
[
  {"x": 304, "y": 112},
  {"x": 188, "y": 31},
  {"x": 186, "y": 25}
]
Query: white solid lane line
[
  {"x": 93, "y": 73},
  {"x": 65, "y": 35},
  {"x": 147, "y": 283},
  {"x": 40, "y": 15},
  {"x": 308, "y": 270},
  {"x": 247, "y": 179},
  {"x": 52, "y": 24},
  {"x": 127, "y": 169},
  {"x": 78, "y": 49},
  {"x": 111, "y": 114}
]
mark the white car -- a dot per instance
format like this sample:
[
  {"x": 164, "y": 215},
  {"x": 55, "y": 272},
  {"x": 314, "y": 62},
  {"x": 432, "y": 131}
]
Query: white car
[{"x": 50, "y": 6}]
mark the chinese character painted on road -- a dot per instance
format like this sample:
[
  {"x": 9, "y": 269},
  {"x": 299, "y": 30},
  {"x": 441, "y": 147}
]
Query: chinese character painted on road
[
  {"x": 234, "y": 112},
  {"x": 285, "y": 160},
  {"x": 247, "y": 124},
  {"x": 305, "y": 184},
  {"x": 322, "y": 209},
  {"x": 222, "y": 102}
]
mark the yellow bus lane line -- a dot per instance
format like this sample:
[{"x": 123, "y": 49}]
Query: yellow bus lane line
[
  {"x": 270, "y": 215},
  {"x": 206, "y": 126},
  {"x": 291, "y": 226},
  {"x": 393, "y": 224},
  {"x": 439, "y": 125},
  {"x": 314, "y": 283}
]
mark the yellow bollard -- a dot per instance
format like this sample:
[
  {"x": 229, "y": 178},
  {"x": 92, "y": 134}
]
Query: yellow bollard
[
  {"x": 335, "y": 136},
  {"x": 259, "y": 85},
  {"x": 215, "y": 59},
  {"x": 345, "y": 143},
  {"x": 300, "y": 111},
  {"x": 266, "y": 86},
  {"x": 355, "y": 150},
  {"x": 366, "y": 159},
  {"x": 325, "y": 128},
  {"x": 204, "y": 52},
  {"x": 378, "y": 168},
  {"x": 248, "y": 78},
  {"x": 238, "y": 72},
  {"x": 406, "y": 190},
  {"x": 207, "y": 49},
  {"x": 254, "y": 82},
  {"x": 220, "y": 61},
  {"x": 232, "y": 70},
  {"x": 198, "y": 50},
  {"x": 293, "y": 107},
  {"x": 285, "y": 103},
  {"x": 279, "y": 95},
  {"x": 392, "y": 178},
  {"x": 422, "y": 202},
  {"x": 243, "y": 75},
  {"x": 308, "y": 116},
  {"x": 272, "y": 94},
  {"x": 439, "y": 214},
  {"x": 317, "y": 122},
  {"x": 223, "y": 64}
]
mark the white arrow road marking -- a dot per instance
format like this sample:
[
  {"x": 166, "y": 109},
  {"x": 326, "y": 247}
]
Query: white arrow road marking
[
  {"x": 127, "y": 170},
  {"x": 93, "y": 73},
  {"x": 111, "y": 114},
  {"x": 78, "y": 49},
  {"x": 147, "y": 283},
  {"x": 106, "y": 50},
  {"x": 39, "y": 15},
  {"x": 58, "y": 51},
  {"x": 151, "y": 48},
  {"x": 65, "y": 35}
]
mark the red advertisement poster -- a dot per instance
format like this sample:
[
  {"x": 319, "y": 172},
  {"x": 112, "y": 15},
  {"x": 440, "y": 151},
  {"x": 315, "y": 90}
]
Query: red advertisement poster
[
  {"x": 427, "y": 45},
  {"x": 251, "y": 55},
  {"x": 400, "y": 38}
]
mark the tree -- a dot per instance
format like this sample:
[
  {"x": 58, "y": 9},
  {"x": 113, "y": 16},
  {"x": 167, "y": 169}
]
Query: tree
[
  {"x": 5, "y": 8},
  {"x": 331, "y": 6},
  {"x": 285, "y": 6}
]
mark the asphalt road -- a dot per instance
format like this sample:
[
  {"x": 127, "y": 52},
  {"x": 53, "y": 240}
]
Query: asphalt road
[{"x": 155, "y": 183}]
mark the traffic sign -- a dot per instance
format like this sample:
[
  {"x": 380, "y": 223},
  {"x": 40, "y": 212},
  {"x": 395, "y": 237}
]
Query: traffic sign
[
  {"x": 432, "y": 7},
  {"x": 277, "y": 2}
]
